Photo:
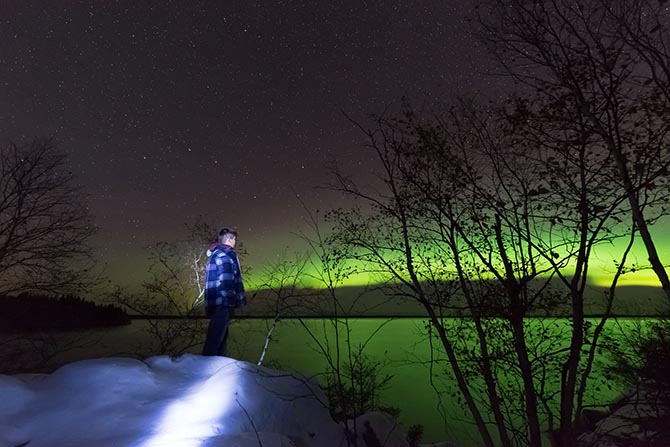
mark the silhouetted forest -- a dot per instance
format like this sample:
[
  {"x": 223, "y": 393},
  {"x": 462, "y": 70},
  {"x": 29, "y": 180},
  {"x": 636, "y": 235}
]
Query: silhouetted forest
[{"x": 35, "y": 312}]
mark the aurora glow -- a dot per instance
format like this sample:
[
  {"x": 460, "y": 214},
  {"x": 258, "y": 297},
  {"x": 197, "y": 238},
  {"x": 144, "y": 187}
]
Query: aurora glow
[{"x": 601, "y": 269}]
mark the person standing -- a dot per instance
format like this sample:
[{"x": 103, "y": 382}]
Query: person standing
[{"x": 224, "y": 291}]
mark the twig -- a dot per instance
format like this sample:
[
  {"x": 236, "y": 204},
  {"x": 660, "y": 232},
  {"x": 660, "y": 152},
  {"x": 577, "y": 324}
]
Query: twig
[{"x": 260, "y": 443}]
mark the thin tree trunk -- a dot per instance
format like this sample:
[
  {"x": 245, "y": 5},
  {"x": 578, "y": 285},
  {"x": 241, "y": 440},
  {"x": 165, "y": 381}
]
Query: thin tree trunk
[
  {"x": 516, "y": 320},
  {"x": 569, "y": 373},
  {"x": 268, "y": 337},
  {"x": 530, "y": 393},
  {"x": 601, "y": 325},
  {"x": 638, "y": 216},
  {"x": 571, "y": 365},
  {"x": 489, "y": 379},
  {"x": 460, "y": 378},
  {"x": 494, "y": 398}
]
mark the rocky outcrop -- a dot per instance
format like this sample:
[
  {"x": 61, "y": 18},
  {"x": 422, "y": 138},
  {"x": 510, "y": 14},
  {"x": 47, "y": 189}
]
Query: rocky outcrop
[{"x": 640, "y": 417}]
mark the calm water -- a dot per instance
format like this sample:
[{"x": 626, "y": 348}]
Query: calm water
[{"x": 400, "y": 344}]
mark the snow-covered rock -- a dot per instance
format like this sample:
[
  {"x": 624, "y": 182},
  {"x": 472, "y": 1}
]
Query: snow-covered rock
[
  {"x": 187, "y": 401},
  {"x": 626, "y": 420},
  {"x": 380, "y": 426}
]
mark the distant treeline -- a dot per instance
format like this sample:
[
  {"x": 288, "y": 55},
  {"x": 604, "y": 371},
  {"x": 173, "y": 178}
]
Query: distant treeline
[
  {"x": 29, "y": 312},
  {"x": 631, "y": 301}
]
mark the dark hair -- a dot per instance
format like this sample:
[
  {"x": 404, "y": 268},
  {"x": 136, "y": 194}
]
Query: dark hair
[{"x": 225, "y": 232}]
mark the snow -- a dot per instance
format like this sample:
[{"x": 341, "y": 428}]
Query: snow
[
  {"x": 189, "y": 401},
  {"x": 619, "y": 427}
]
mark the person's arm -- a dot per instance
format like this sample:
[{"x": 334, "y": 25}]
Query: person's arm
[
  {"x": 241, "y": 295},
  {"x": 238, "y": 285}
]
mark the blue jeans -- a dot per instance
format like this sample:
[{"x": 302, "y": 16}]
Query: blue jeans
[{"x": 217, "y": 332}]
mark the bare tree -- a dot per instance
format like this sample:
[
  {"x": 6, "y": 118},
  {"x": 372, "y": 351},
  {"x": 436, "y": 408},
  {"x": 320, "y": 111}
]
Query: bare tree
[
  {"x": 591, "y": 206},
  {"x": 165, "y": 304},
  {"x": 605, "y": 61},
  {"x": 488, "y": 213},
  {"x": 282, "y": 284},
  {"x": 169, "y": 300},
  {"x": 44, "y": 221},
  {"x": 353, "y": 380},
  {"x": 200, "y": 235}
]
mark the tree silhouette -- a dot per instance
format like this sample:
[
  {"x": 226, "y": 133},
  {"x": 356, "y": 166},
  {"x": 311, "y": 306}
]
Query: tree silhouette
[
  {"x": 481, "y": 215},
  {"x": 44, "y": 221},
  {"x": 601, "y": 65}
]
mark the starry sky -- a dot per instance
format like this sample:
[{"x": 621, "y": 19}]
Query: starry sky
[{"x": 171, "y": 110}]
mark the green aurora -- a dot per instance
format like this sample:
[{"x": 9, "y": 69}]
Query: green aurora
[{"x": 601, "y": 269}]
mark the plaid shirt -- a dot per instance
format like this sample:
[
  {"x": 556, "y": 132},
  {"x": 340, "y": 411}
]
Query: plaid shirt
[{"x": 223, "y": 279}]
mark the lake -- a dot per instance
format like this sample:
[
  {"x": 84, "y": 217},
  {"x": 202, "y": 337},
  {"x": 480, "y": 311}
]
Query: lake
[{"x": 400, "y": 344}]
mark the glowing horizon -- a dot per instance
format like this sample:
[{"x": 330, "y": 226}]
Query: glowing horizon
[{"x": 601, "y": 266}]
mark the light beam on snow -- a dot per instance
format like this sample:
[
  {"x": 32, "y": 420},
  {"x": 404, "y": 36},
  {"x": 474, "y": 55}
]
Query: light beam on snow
[{"x": 193, "y": 418}]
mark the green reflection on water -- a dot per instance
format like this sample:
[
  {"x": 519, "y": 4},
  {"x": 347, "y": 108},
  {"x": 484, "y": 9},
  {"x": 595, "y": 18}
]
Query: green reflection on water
[{"x": 403, "y": 345}]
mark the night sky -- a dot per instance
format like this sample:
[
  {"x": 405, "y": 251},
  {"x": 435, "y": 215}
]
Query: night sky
[
  {"x": 171, "y": 110},
  {"x": 175, "y": 109}
]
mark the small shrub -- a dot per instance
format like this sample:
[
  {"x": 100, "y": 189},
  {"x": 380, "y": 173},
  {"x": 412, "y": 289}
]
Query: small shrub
[
  {"x": 354, "y": 388},
  {"x": 414, "y": 435}
]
